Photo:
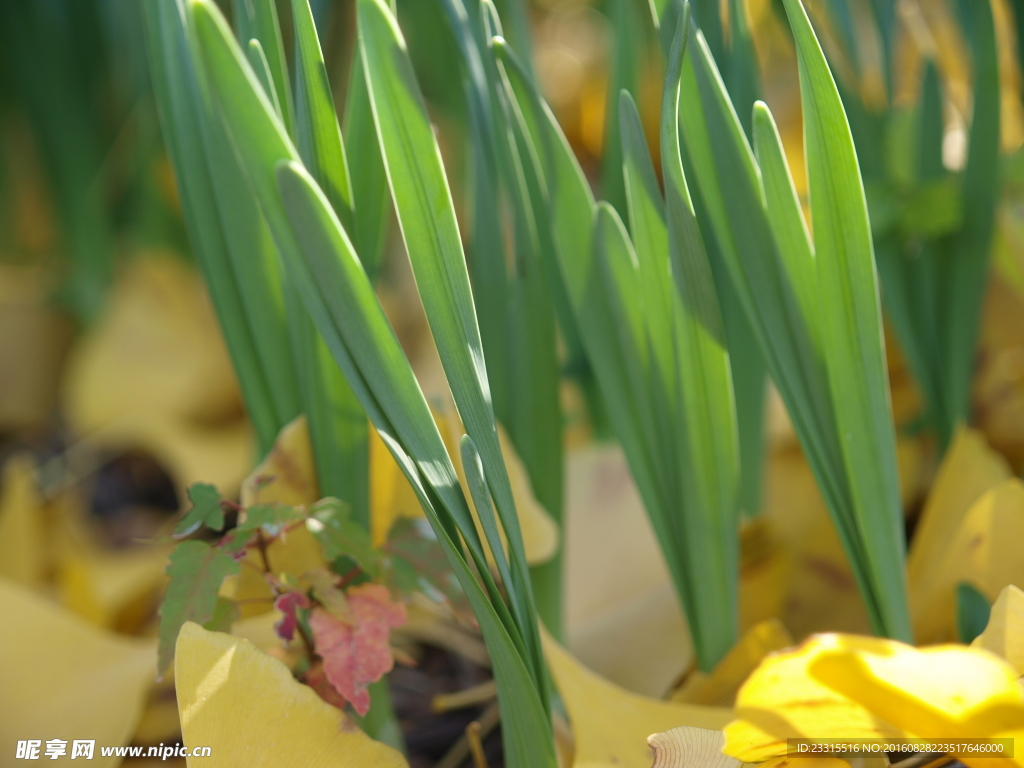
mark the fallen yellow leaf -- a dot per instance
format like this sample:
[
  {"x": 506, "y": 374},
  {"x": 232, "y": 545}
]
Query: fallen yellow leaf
[
  {"x": 845, "y": 686},
  {"x": 611, "y": 725},
  {"x": 1004, "y": 634},
  {"x": 618, "y": 593},
  {"x": 719, "y": 687},
  {"x": 153, "y": 373},
  {"x": 62, "y": 678},
  {"x": 984, "y": 551},
  {"x": 783, "y": 700},
  {"x": 21, "y": 523},
  {"x": 969, "y": 469},
  {"x": 247, "y": 707},
  {"x": 287, "y": 475}
]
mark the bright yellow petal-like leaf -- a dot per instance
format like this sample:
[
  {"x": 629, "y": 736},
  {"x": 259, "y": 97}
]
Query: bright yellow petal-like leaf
[
  {"x": 62, "y": 678},
  {"x": 688, "y": 747},
  {"x": 249, "y": 709},
  {"x": 21, "y": 523},
  {"x": 721, "y": 685},
  {"x": 947, "y": 691},
  {"x": 782, "y": 700},
  {"x": 287, "y": 475},
  {"x": 611, "y": 725},
  {"x": 1004, "y": 634},
  {"x": 983, "y": 551},
  {"x": 969, "y": 469}
]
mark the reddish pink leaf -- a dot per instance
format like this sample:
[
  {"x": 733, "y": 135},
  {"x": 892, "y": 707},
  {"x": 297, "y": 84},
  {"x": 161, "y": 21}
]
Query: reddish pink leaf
[
  {"x": 287, "y": 604},
  {"x": 358, "y": 654}
]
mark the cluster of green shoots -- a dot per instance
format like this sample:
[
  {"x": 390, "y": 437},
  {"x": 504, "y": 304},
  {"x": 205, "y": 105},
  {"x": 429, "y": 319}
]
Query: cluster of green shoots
[{"x": 676, "y": 296}]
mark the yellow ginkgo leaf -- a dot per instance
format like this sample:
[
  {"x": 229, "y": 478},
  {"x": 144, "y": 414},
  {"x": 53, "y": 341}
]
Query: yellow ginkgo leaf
[
  {"x": 153, "y": 373},
  {"x": 783, "y": 700},
  {"x": 822, "y": 593},
  {"x": 611, "y": 725},
  {"x": 969, "y": 469},
  {"x": 114, "y": 589},
  {"x": 247, "y": 707},
  {"x": 21, "y": 523},
  {"x": 719, "y": 687},
  {"x": 1004, "y": 633},
  {"x": 689, "y": 747},
  {"x": 983, "y": 551},
  {"x": 287, "y": 475},
  {"x": 947, "y": 691},
  {"x": 62, "y": 678},
  {"x": 618, "y": 593},
  {"x": 391, "y": 496},
  {"x": 849, "y": 687}
]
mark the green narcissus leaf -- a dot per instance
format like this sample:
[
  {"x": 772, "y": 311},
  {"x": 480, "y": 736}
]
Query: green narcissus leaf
[
  {"x": 196, "y": 571},
  {"x": 972, "y": 612},
  {"x": 852, "y": 327},
  {"x": 340, "y": 535},
  {"x": 205, "y": 510}
]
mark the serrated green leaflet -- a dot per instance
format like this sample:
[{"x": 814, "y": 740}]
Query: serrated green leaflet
[
  {"x": 205, "y": 510},
  {"x": 196, "y": 571}
]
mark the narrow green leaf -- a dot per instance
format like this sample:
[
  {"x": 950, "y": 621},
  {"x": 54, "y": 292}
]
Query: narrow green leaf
[
  {"x": 224, "y": 227},
  {"x": 710, "y": 450},
  {"x": 366, "y": 168},
  {"x": 338, "y": 427},
  {"x": 427, "y": 219},
  {"x": 966, "y": 270},
  {"x": 370, "y": 343},
  {"x": 852, "y": 325},
  {"x": 786, "y": 216},
  {"x": 317, "y": 132},
  {"x": 972, "y": 612},
  {"x": 257, "y": 19}
]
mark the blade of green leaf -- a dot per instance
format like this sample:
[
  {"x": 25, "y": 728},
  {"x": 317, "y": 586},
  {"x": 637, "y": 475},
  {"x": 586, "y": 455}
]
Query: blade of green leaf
[
  {"x": 224, "y": 228},
  {"x": 427, "y": 219},
  {"x": 852, "y": 325},
  {"x": 966, "y": 271},
  {"x": 337, "y": 424},
  {"x": 710, "y": 449}
]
